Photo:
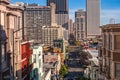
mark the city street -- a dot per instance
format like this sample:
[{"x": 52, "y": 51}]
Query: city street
[{"x": 74, "y": 65}]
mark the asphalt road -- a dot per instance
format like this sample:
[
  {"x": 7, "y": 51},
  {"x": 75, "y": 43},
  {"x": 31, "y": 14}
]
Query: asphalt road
[{"x": 74, "y": 65}]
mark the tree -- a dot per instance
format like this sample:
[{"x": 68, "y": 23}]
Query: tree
[
  {"x": 82, "y": 78},
  {"x": 71, "y": 39},
  {"x": 63, "y": 71},
  {"x": 77, "y": 43},
  {"x": 67, "y": 48}
]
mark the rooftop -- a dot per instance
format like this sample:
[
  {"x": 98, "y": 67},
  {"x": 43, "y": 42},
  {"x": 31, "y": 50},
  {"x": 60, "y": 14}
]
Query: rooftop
[
  {"x": 110, "y": 26},
  {"x": 95, "y": 61},
  {"x": 49, "y": 65},
  {"x": 46, "y": 71},
  {"x": 49, "y": 53},
  {"x": 94, "y": 53}
]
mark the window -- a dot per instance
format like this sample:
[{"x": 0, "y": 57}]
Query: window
[
  {"x": 35, "y": 73},
  {"x": 100, "y": 53},
  {"x": 117, "y": 70},
  {"x": 117, "y": 42},
  {"x": 81, "y": 27},
  {"x": 3, "y": 53},
  {"x": 110, "y": 42},
  {"x": 40, "y": 63},
  {"x": 19, "y": 22},
  {"x": 34, "y": 59},
  {"x": 104, "y": 40},
  {"x": 24, "y": 49},
  {"x": 81, "y": 20},
  {"x": 39, "y": 53}
]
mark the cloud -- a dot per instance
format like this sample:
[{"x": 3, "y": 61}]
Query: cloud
[
  {"x": 110, "y": 13},
  {"x": 106, "y": 15}
]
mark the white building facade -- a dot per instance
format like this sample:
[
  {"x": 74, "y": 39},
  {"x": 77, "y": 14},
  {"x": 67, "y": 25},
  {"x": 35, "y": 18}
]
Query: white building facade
[{"x": 37, "y": 59}]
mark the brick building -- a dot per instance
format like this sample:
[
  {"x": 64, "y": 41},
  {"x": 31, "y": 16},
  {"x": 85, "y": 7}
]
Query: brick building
[
  {"x": 109, "y": 52},
  {"x": 26, "y": 60},
  {"x": 10, "y": 21}
]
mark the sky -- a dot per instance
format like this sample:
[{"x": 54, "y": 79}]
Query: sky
[{"x": 109, "y": 8}]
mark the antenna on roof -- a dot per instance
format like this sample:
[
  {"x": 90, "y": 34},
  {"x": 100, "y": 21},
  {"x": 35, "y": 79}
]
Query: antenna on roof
[{"x": 112, "y": 21}]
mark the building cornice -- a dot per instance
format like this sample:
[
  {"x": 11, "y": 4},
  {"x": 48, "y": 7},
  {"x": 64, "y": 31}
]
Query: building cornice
[
  {"x": 6, "y": 2},
  {"x": 111, "y": 28},
  {"x": 14, "y": 8}
]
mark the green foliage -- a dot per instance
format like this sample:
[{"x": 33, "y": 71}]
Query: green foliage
[
  {"x": 67, "y": 48},
  {"x": 77, "y": 43},
  {"x": 66, "y": 57},
  {"x": 52, "y": 78},
  {"x": 82, "y": 78},
  {"x": 63, "y": 71}
]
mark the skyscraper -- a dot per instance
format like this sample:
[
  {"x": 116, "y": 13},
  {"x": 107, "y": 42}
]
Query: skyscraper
[
  {"x": 70, "y": 28},
  {"x": 51, "y": 33},
  {"x": 61, "y": 6},
  {"x": 80, "y": 21},
  {"x": 93, "y": 18},
  {"x": 34, "y": 18},
  {"x": 62, "y": 12}
]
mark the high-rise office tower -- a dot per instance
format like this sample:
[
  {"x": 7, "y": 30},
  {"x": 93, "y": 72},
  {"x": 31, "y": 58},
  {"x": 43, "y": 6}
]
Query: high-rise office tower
[
  {"x": 93, "y": 18},
  {"x": 70, "y": 28},
  {"x": 62, "y": 12},
  {"x": 61, "y": 5},
  {"x": 51, "y": 33},
  {"x": 35, "y": 17},
  {"x": 80, "y": 21}
]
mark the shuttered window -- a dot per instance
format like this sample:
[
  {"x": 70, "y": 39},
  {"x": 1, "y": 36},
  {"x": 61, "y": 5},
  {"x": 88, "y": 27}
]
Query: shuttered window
[
  {"x": 117, "y": 70},
  {"x": 117, "y": 42}
]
